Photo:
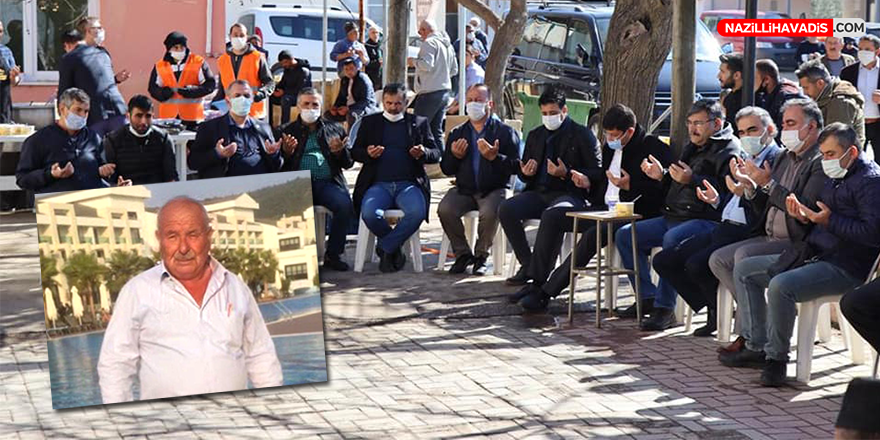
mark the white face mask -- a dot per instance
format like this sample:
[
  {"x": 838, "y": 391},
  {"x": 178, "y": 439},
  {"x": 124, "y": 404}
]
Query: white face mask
[
  {"x": 792, "y": 140},
  {"x": 471, "y": 36},
  {"x": 238, "y": 43},
  {"x": 866, "y": 57},
  {"x": 309, "y": 116},
  {"x": 135, "y": 132},
  {"x": 241, "y": 105},
  {"x": 833, "y": 169},
  {"x": 753, "y": 144},
  {"x": 392, "y": 118},
  {"x": 476, "y": 111},
  {"x": 177, "y": 55},
  {"x": 552, "y": 122},
  {"x": 99, "y": 37},
  {"x": 74, "y": 121}
]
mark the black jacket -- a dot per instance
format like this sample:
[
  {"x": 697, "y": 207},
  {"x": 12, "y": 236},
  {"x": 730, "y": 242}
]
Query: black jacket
[
  {"x": 807, "y": 187},
  {"x": 732, "y": 103},
  {"x": 851, "y": 73},
  {"x": 419, "y": 134},
  {"x": 493, "y": 174},
  {"x": 364, "y": 95},
  {"x": 651, "y": 191},
  {"x": 326, "y": 131},
  {"x": 165, "y": 93},
  {"x": 772, "y": 101},
  {"x": 142, "y": 160},
  {"x": 579, "y": 150},
  {"x": 51, "y": 144},
  {"x": 295, "y": 78},
  {"x": 203, "y": 155},
  {"x": 710, "y": 162},
  {"x": 90, "y": 69}
]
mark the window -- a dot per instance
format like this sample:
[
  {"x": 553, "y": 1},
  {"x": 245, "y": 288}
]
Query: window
[
  {"x": 296, "y": 272},
  {"x": 34, "y": 29},
  {"x": 555, "y": 40},
  {"x": 132, "y": 216},
  {"x": 308, "y": 27},
  {"x": 248, "y": 21},
  {"x": 533, "y": 37},
  {"x": 579, "y": 33},
  {"x": 100, "y": 254},
  {"x": 289, "y": 244},
  {"x": 136, "y": 236}
]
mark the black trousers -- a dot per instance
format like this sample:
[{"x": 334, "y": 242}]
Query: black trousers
[
  {"x": 872, "y": 136},
  {"x": 686, "y": 266},
  {"x": 861, "y": 307},
  {"x": 550, "y": 207},
  {"x": 584, "y": 251}
]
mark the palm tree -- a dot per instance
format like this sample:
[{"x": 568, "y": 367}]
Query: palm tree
[
  {"x": 122, "y": 266},
  {"x": 266, "y": 268},
  {"x": 48, "y": 272},
  {"x": 84, "y": 272}
]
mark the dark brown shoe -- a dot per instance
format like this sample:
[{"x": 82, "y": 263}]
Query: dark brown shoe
[{"x": 738, "y": 345}]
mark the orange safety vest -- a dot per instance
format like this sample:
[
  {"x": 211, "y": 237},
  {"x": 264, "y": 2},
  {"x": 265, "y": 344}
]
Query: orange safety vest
[
  {"x": 187, "y": 109},
  {"x": 249, "y": 71}
]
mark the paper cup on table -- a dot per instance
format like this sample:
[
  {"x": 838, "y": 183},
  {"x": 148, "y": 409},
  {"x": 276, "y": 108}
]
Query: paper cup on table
[{"x": 625, "y": 208}]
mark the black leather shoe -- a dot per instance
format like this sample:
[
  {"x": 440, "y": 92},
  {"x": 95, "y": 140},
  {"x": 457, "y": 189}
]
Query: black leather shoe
[
  {"x": 774, "y": 372},
  {"x": 461, "y": 263},
  {"x": 535, "y": 302},
  {"x": 661, "y": 319},
  {"x": 398, "y": 260},
  {"x": 522, "y": 277},
  {"x": 710, "y": 327},
  {"x": 525, "y": 291},
  {"x": 744, "y": 358},
  {"x": 335, "y": 263},
  {"x": 480, "y": 267},
  {"x": 386, "y": 263},
  {"x": 630, "y": 312}
]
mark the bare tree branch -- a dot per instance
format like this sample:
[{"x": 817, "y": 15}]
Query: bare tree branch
[{"x": 483, "y": 11}]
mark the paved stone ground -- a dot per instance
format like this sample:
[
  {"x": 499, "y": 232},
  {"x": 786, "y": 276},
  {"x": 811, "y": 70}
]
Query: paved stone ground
[{"x": 438, "y": 356}]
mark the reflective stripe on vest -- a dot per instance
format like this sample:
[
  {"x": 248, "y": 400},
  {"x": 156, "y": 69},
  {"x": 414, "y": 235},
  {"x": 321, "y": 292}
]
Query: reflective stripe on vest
[
  {"x": 249, "y": 71},
  {"x": 186, "y": 109}
]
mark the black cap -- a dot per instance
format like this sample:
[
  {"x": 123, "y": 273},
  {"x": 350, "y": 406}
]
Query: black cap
[
  {"x": 174, "y": 38},
  {"x": 859, "y": 408}
]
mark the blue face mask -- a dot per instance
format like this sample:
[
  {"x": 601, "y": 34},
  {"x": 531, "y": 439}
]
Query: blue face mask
[
  {"x": 616, "y": 144},
  {"x": 74, "y": 121},
  {"x": 241, "y": 105}
]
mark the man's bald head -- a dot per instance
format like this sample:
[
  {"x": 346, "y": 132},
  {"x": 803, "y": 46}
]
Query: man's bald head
[
  {"x": 184, "y": 235},
  {"x": 426, "y": 28},
  {"x": 181, "y": 205}
]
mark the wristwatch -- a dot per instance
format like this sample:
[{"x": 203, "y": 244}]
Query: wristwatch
[{"x": 766, "y": 188}]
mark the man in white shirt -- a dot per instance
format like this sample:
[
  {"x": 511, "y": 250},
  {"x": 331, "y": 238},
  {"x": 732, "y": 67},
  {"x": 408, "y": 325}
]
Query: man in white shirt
[
  {"x": 186, "y": 326},
  {"x": 865, "y": 75}
]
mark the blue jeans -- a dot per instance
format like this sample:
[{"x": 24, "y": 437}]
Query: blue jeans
[
  {"x": 329, "y": 194},
  {"x": 652, "y": 233},
  {"x": 406, "y": 196},
  {"x": 771, "y": 321}
]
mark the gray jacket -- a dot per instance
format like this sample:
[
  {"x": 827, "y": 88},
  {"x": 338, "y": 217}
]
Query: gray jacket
[{"x": 435, "y": 65}]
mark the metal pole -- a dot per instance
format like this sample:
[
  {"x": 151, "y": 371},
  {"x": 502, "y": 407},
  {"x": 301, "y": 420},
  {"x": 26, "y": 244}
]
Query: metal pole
[
  {"x": 748, "y": 77},
  {"x": 384, "y": 41},
  {"x": 462, "y": 44},
  {"x": 324, "y": 56}
]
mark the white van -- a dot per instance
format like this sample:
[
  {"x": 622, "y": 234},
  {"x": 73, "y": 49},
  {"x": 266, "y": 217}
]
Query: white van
[{"x": 297, "y": 29}]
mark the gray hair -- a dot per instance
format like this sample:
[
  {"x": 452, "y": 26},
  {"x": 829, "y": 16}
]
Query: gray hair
[
  {"x": 810, "y": 109},
  {"x": 814, "y": 71},
  {"x": 766, "y": 119},
  {"x": 72, "y": 94},
  {"x": 873, "y": 39},
  {"x": 430, "y": 24},
  {"x": 309, "y": 91},
  {"x": 475, "y": 22},
  {"x": 842, "y": 133},
  {"x": 186, "y": 201}
]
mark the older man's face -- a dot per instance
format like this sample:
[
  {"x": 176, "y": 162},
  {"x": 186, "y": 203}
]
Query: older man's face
[{"x": 184, "y": 237}]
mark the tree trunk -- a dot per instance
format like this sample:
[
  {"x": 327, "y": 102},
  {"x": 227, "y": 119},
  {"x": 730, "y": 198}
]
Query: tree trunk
[
  {"x": 684, "y": 31},
  {"x": 508, "y": 33},
  {"x": 398, "y": 30},
  {"x": 639, "y": 38}
]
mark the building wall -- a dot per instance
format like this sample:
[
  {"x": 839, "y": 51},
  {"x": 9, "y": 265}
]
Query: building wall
[{"x": 135, "y": 32}]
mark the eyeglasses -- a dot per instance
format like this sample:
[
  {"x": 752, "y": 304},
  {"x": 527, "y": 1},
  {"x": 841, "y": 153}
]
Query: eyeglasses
[{"x": 697, "y": 124}]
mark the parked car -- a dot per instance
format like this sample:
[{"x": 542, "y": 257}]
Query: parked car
[
  {"x": 783, "y": 50},
  {"x": 298, "y": 30},
  {"x": 563, "y": 44}
]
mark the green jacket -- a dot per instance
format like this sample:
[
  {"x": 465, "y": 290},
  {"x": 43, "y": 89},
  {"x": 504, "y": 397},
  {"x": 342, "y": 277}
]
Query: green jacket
[{"x": 841, "y": 101}]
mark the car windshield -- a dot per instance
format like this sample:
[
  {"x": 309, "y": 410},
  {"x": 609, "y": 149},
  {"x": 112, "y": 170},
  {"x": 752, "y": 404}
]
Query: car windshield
[{"x": 707, "y": 46}]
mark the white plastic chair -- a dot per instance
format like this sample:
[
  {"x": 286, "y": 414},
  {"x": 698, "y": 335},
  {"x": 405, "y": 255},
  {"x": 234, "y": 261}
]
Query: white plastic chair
[
  {"x": 322, "y": 215},
  {"x": 683, "y": 312},
  {"x": 366, "y": 243},
  {"x": 470, "y": 219},
  {"x": 513, "y": 263},
  {"x": 811, "y": 315},
  {"x": 725, "y": 314}
]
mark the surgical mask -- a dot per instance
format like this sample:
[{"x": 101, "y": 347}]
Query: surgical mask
[
  {"x": 241, "y": 105},
  {"x": 99, "y": 37},
  {"x": 791, "y": 140},
  {"x": 615, "y": 144},
  {"x": 238, "y": 43},
  {"x": 833, "y": 169},
  {"x": 310, "y": 116},
  {"x": 392, "y": 118},
  {"x": 552, "y": 122},
  {"x": 866, "y": 57},
  {"x": 177, "y": 55},
  {"x": 471, "y": 36},
  {"x": 476, "y": 110},
  {"x": 752, "y": 144},
  {"x": 136, "y": 134},
  {"x": 74, "y": 121}
]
